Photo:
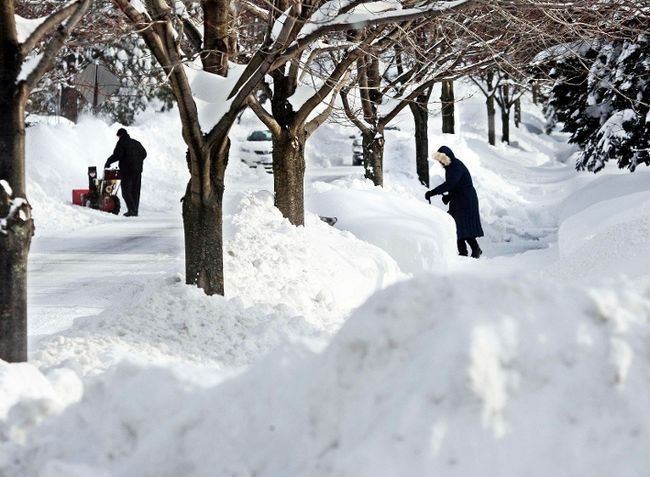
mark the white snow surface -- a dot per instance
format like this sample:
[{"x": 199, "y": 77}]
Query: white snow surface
[
  {"x": 364, "y": 349},
  {"x": 26, "y": 26}
]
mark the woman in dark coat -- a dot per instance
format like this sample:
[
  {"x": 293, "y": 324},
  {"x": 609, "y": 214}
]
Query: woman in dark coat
[{"x": 462, "y": 199}]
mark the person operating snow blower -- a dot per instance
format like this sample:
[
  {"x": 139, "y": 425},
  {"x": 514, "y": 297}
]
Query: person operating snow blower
[{"x": 129, "y": 154}]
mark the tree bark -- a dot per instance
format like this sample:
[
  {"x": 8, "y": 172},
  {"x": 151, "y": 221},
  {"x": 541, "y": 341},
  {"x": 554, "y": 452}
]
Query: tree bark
[
  {"x": 13, "y": 288},
  {"x": 203, "y": 225},
  {"x": 420, "y": 111},
  {"x": 16, "y": 235},
  {"x": 16, "y": 239},
  {"x": 448, "y": 106},
  {"x": 289, "y": 174},
  {"x": 491, "y": 115},
  {"x": 216, "y": 36},
  {"x": 517, "y": 112},
  {"x": 505, "y": 125},
  {"x": 373, "y": 156}
]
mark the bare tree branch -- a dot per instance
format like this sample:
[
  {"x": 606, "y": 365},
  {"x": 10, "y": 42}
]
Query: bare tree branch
[
  {"x": 264, "y": 116},
  {"x": 56, "y": 43},
  {"x": 52, "y": 21}
]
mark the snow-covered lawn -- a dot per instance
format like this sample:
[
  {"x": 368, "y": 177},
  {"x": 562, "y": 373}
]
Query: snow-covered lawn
[{"x": 364, "y": 349}]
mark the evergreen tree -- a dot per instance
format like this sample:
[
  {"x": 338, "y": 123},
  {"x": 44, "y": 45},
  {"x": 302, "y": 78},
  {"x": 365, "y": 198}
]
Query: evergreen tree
[
  {"x": 619, "y": 96},
  {"x": 602, "y": 97},
  {"x": 568, "y": 97},
  {"x": 106, "y": 38}
]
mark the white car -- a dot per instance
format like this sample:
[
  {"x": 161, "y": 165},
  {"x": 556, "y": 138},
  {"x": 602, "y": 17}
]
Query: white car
[{"x": 257, "y": 149}]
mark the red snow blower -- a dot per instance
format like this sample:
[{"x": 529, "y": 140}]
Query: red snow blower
[{"x": 101, "y": 193}]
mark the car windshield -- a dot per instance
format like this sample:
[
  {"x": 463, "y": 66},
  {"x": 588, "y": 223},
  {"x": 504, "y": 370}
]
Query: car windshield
[{"x": 259, "y": 136}]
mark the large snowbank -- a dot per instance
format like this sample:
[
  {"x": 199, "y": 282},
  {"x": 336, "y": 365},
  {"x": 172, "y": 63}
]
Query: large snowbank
[
  {"x": 419, "y": 237},
  {"x": 325, "y": 274},
  {"x": 526, "y": 377},
  {"x": 325, "y": 271}
]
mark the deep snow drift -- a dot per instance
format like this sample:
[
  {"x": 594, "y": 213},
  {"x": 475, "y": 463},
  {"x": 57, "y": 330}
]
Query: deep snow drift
[{"x": 364, "y": 349}]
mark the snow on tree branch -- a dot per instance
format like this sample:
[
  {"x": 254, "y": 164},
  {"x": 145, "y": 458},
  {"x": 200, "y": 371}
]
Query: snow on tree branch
[
  {"x": 36, "y": 30},
  {"x": 369, "y": 13},
  {"x": 11, "y": 210}
]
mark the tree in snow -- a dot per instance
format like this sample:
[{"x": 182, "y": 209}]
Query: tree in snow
[
  {"x": 102, "y": 37},
  {"x": 307, "y": 77},
  {"x": 508, "y": 93},
  {"x": 174, "y": 36},
  {"x": 545, "y": 32},
  {"x": 601, "y": 96},
  {"x": 389, "y": 81},
  {"x": 385, "y": 85},
  {"x": 20, "y": 71},
  {"x": 617, "y": 103},
  {"x": 568, "y": 96}
]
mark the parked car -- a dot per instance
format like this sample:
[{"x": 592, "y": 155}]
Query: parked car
[
  {"x": 257, "y": 149},
  {"x": 357, "y": 145},
  {"x": 357, "y": 150}
]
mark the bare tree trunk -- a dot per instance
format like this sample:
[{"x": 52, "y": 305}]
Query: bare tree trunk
[
  {"x": 16, "y": 239},
  {"x": 289, "y": 174},
  {"x": 517, "y": 112},
  {"x": 16, "y": 234},
  {"x": 217, "y": 45},
  {"x": 373, "y": 156},
  {"x": 203, "y": 225},
  {"x": 448, "y": 106},
  {"x": 505, "y": 125},
  {"x": 17, "y": 226},
  {"x": 420, "y": 111},
  {"x": 491, "y": 114}
]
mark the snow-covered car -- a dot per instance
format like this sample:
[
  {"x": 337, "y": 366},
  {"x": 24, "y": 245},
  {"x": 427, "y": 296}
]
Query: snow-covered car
[{"x": 257, "y": 149}]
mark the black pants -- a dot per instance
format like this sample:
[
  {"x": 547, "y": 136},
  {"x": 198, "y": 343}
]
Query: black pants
[
  {"x": 131, "y": 192},
  {"x": 462, "y": 247}
]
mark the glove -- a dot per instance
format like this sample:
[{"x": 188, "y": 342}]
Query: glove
[
  {"x": 107, "y": 165},
  {"x": 427, "y": 195},
  {"x": 445, "y": 199}
]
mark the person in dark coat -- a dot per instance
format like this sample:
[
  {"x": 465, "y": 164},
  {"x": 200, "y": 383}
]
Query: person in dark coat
[
  {"x": 128, "y": 155},
  {"x": 458, "y": 191}
]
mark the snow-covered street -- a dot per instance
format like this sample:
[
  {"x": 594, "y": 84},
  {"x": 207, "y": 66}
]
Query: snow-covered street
[{"x": 81, "y": 273}]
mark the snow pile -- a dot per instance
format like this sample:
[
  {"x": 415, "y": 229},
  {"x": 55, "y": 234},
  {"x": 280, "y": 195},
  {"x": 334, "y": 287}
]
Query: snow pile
[
  {"x": 420, "y": 381},
  {"x": 167, "y": 322},
  {"x": 419, "y": 237},
  {"x": 325, "y": 271}
]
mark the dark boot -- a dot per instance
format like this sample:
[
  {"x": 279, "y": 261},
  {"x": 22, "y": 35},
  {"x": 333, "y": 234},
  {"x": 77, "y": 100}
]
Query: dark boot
[
  {"x": 462, "y": 247},
  {"x": 476, "y": 250}
]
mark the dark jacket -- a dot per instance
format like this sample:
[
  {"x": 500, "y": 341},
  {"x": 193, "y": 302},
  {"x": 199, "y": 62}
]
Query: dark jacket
[
  {"x": 126, "y": 154},
  {"x": 463, "y": 201}
]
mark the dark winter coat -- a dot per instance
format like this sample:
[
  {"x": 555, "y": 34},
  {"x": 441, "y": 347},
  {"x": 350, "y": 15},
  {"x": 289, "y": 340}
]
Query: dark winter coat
[
  {"x": 127, "y": 155},
  {"x": 463, "y": 201}
]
